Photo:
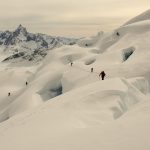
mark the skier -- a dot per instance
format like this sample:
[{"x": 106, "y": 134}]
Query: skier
[
  {"x": 102, "y": 74},
  {"x": 92, "y": 69},
  {"x": 26, "y": 83},
  {"x": 71, "y": 64},
  {"x": 118, "y": 34},
  {"x": 9, "y": 94}
]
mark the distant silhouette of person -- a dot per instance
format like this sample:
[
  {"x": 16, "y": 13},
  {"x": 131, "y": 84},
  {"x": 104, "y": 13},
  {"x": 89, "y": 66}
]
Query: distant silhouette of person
[
  {"x": 92, "y": 69},
  {"x": 9, "y": 94},
  {"x": 118, "y": 34},
  {"x": 71, "y": 63},
  {"x": 102, "y": 74},
  {"x": 26, "y": 83}
]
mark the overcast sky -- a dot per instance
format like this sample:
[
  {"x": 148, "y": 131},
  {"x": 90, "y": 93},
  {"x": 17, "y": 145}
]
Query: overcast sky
[{"x": 68, "y": 17}]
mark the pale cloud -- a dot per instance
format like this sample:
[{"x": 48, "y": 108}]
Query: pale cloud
[{"x": 69, "y": 17}]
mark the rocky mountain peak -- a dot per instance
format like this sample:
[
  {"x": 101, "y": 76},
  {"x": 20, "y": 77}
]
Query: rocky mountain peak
[{"x": 20, "y": 30}]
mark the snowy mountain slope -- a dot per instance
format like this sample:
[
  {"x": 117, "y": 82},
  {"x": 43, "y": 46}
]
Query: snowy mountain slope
[
  {"x": 68, "y": 107},
  {"x": 82, "y": 118},
  {"x": 141, "y": 17}
]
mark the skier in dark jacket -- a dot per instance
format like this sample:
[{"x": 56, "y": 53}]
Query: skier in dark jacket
[
  {"x": 26, "y": 83},
  {"x": 118, "y": 34},
  {"x": 92, "y": 69},
  {"x": 9, "y": 94},
  {"x": 102, "y": 74}
]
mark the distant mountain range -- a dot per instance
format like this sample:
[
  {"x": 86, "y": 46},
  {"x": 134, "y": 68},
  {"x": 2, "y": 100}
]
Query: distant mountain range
[{"x": 30, "y": 46}]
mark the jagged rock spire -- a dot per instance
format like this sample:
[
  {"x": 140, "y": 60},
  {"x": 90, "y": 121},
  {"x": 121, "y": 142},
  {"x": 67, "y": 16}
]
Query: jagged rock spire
[{"x": 21, "y": 29}]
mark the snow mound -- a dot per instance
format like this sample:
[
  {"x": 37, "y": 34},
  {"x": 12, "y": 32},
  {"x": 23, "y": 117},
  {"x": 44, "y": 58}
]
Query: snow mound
[{"x": 90, "y": 61}]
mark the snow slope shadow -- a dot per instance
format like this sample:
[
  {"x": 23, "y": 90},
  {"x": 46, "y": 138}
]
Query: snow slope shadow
[
  {"x": 114, "y": 103},
  {"x": 52, "y": 89},
  {"x": 71, "y": 57},
  {"x": 4, "y": 116},
  {"x": 95, "y": 51},
  {"x": 89, "y": 61},
  {"x": 127, "y": 100},
  {"x": 127, "y": 53}
]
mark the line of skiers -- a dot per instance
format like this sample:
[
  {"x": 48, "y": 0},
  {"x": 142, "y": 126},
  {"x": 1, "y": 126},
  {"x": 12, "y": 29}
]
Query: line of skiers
[
  {"x": 26, "y": 85},
  {"x": 102, "y": 73}
]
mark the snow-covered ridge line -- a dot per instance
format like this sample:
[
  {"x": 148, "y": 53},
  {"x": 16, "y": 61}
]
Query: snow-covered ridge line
[{"x": 144, "y": 16}]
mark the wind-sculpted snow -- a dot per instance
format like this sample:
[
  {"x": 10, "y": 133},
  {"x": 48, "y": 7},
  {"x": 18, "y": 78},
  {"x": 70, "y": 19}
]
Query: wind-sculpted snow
[{"x": 60, "y": 102}]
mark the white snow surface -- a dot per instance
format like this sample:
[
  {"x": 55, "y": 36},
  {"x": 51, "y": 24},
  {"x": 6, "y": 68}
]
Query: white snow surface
[
  {"x": 141, "y": 17},
  {"x": 68, "y": 107}
]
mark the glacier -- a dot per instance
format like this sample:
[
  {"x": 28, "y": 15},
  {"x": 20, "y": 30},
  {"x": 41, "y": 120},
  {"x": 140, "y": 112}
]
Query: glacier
[{"x": 69, "y": 107}]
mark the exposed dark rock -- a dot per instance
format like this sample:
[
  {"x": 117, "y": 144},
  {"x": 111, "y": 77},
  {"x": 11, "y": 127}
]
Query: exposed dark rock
[
  {"x": 31, "y": 46},
  {"x": 20, "y": 54}
]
